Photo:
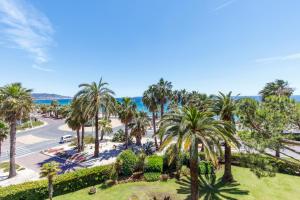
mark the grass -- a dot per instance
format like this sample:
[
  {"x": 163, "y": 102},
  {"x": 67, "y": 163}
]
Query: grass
[
  {"x": 28, "y": 125},
  {"x": 5, "y": 167},
  {"x": 246, "y": 187}
]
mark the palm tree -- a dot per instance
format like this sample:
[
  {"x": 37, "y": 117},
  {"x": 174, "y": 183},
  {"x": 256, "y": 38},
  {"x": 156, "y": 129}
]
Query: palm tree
[
  {"x": 16, "y": 103},
  {"x": 127, "y": 109},
  {"x": 163, "y": 91},
  {"x": 50, "y": 170},
  {"x": 139, "y": 126},
  {"x": 105, "y": 126},
  {"x": 189, "y": 126},
  {"x": 277, "y": 88},
  {"x": 3, "y": 133},
  {"x": 225, "y": 107},
  {"x": 92, "y": 96},
  {"x": 73, "y": 123},
  {"x": 151, "y": 103},
  {"x": 78, "y": 112},
  {"x": 55, "y": 105}
]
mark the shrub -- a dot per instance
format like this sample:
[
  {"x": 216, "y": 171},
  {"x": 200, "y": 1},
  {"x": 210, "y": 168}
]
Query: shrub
[
  {"x": 154, "y": 164},
  {"x": 152, "y": 176},
  {"x": 206, "y": 167},
  {"x": 129, "y": 161},
  {"x": 119, "y": 136},
  {"x": 141, "y": 162},
  {"x": 63, "y": 184}
]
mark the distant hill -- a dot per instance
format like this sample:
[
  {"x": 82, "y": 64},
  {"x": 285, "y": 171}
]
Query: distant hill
[{"x": 46, "y": 96}]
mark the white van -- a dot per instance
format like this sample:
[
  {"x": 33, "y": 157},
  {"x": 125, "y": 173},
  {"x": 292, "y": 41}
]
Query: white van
[{"x": 66, "y": 138}]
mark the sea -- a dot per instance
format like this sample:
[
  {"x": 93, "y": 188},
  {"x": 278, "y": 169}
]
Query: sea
[{"x": 138, "y": 101}]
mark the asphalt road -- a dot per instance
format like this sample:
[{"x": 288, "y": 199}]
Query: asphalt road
[{"x": 49, "y": 133}]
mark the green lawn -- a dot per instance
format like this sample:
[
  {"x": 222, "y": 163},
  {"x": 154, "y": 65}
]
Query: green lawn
[
  {"x": 247, "y": 186},
  {"x": 5, "y": 167},
  {"x": 28, "y": 125}
]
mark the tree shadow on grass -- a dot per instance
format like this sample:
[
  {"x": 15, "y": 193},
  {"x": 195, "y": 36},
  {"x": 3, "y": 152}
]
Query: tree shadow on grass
[{"x": 211, "y": 189}]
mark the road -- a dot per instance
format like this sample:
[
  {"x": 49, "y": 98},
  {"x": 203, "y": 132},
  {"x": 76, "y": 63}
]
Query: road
[{"x": 42, "y": 138}]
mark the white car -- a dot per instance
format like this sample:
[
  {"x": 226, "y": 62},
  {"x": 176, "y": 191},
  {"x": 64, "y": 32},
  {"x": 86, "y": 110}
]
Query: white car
[{"x": 66, "y": 138}]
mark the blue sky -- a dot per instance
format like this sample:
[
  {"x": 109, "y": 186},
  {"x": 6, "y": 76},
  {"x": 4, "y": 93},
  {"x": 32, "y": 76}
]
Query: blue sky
[{"x": 205, "y": 45}]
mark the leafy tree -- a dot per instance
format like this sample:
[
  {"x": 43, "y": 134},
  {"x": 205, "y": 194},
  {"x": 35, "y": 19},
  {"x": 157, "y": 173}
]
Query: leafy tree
[
  {"x": 266, "y": 122},
  {"x": 224, "y": 107},
  {"x": 92, "y": 97},
  {"x": 105, "y": 126},
  {"x": 139, "y": 126},
  {"x": 3, "y": 132},
  {"x": 189, "y": 127},
  {"x": 127, "y": 110},
  {"x": 50, "y": 170},
  {"x": 16, "y": 102},
  {"x": 150, "y": 101},
  {"x": 276, "y": 88}
]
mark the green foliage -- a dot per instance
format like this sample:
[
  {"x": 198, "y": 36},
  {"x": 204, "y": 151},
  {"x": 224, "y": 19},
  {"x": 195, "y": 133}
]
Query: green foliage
[
  {"x": 265, "y": 166},
  {"x": 205, "y": 168},
  {"x": 63, "y": 184},
  {"x": 28, "y": 125},
  {"x": 119, "y": 136},
  {"x": 152, "y": 176},
  {"x": 154, "y": 163},
  {"x": 129, "y": 161}
]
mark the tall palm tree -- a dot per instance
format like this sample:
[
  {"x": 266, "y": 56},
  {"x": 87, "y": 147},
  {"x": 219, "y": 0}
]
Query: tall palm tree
[
  {"x": 3, "y": 133},
  {"x": 277, "y": 88},
  {"x": 50, "y": 170},
  {"x": 163, "y": 91},
  {"x": 139, "y": 126},
  {"x": 74, "y": 123},
  {"x": 127, "y": 109},
  {"x": 92, "y": 96},
  {"x": 109, "y": 107},
  {"x": 78, "y": 112},
  {"x": 225, "y": 107},
  {"x": 16, "y": 103},
  {"x": 105, "y": 126},
  {"x": 189, "y": 126},
  {"x": 151, "y": 103}
]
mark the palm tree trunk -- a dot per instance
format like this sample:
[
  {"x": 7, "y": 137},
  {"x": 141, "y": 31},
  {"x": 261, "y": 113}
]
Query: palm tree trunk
[
  {"x": 227, "y": 177},
  {"x": 82, "y": 137},
  {"x": 194, "y": 171},
  {"x": 0, "y": 147},
  {"x": 12, "y": 153},
  {"x": 78, "y": 140},
  {"x": 138, "y": 140},
  {"x": 162, "y": 110},
  {"x": 277, "y": 152},
  {"x": 50, "y": 188},
  {"x": 102, "y": 135},
  {"x": 126, "y": 136},
  {"x": 154, "y": 130},
  {"x": 96, "y": 154}
]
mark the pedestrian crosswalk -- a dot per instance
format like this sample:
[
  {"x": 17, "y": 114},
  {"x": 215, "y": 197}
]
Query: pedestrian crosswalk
[{"x": 20, "y": 151}]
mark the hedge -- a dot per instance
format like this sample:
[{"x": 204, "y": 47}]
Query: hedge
[
  {"x": 129, "y": 162},
  {"x": 63, "y": 184},
  {"x": 154, "y": 163},
  {"x": 152, "y": 176}
]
